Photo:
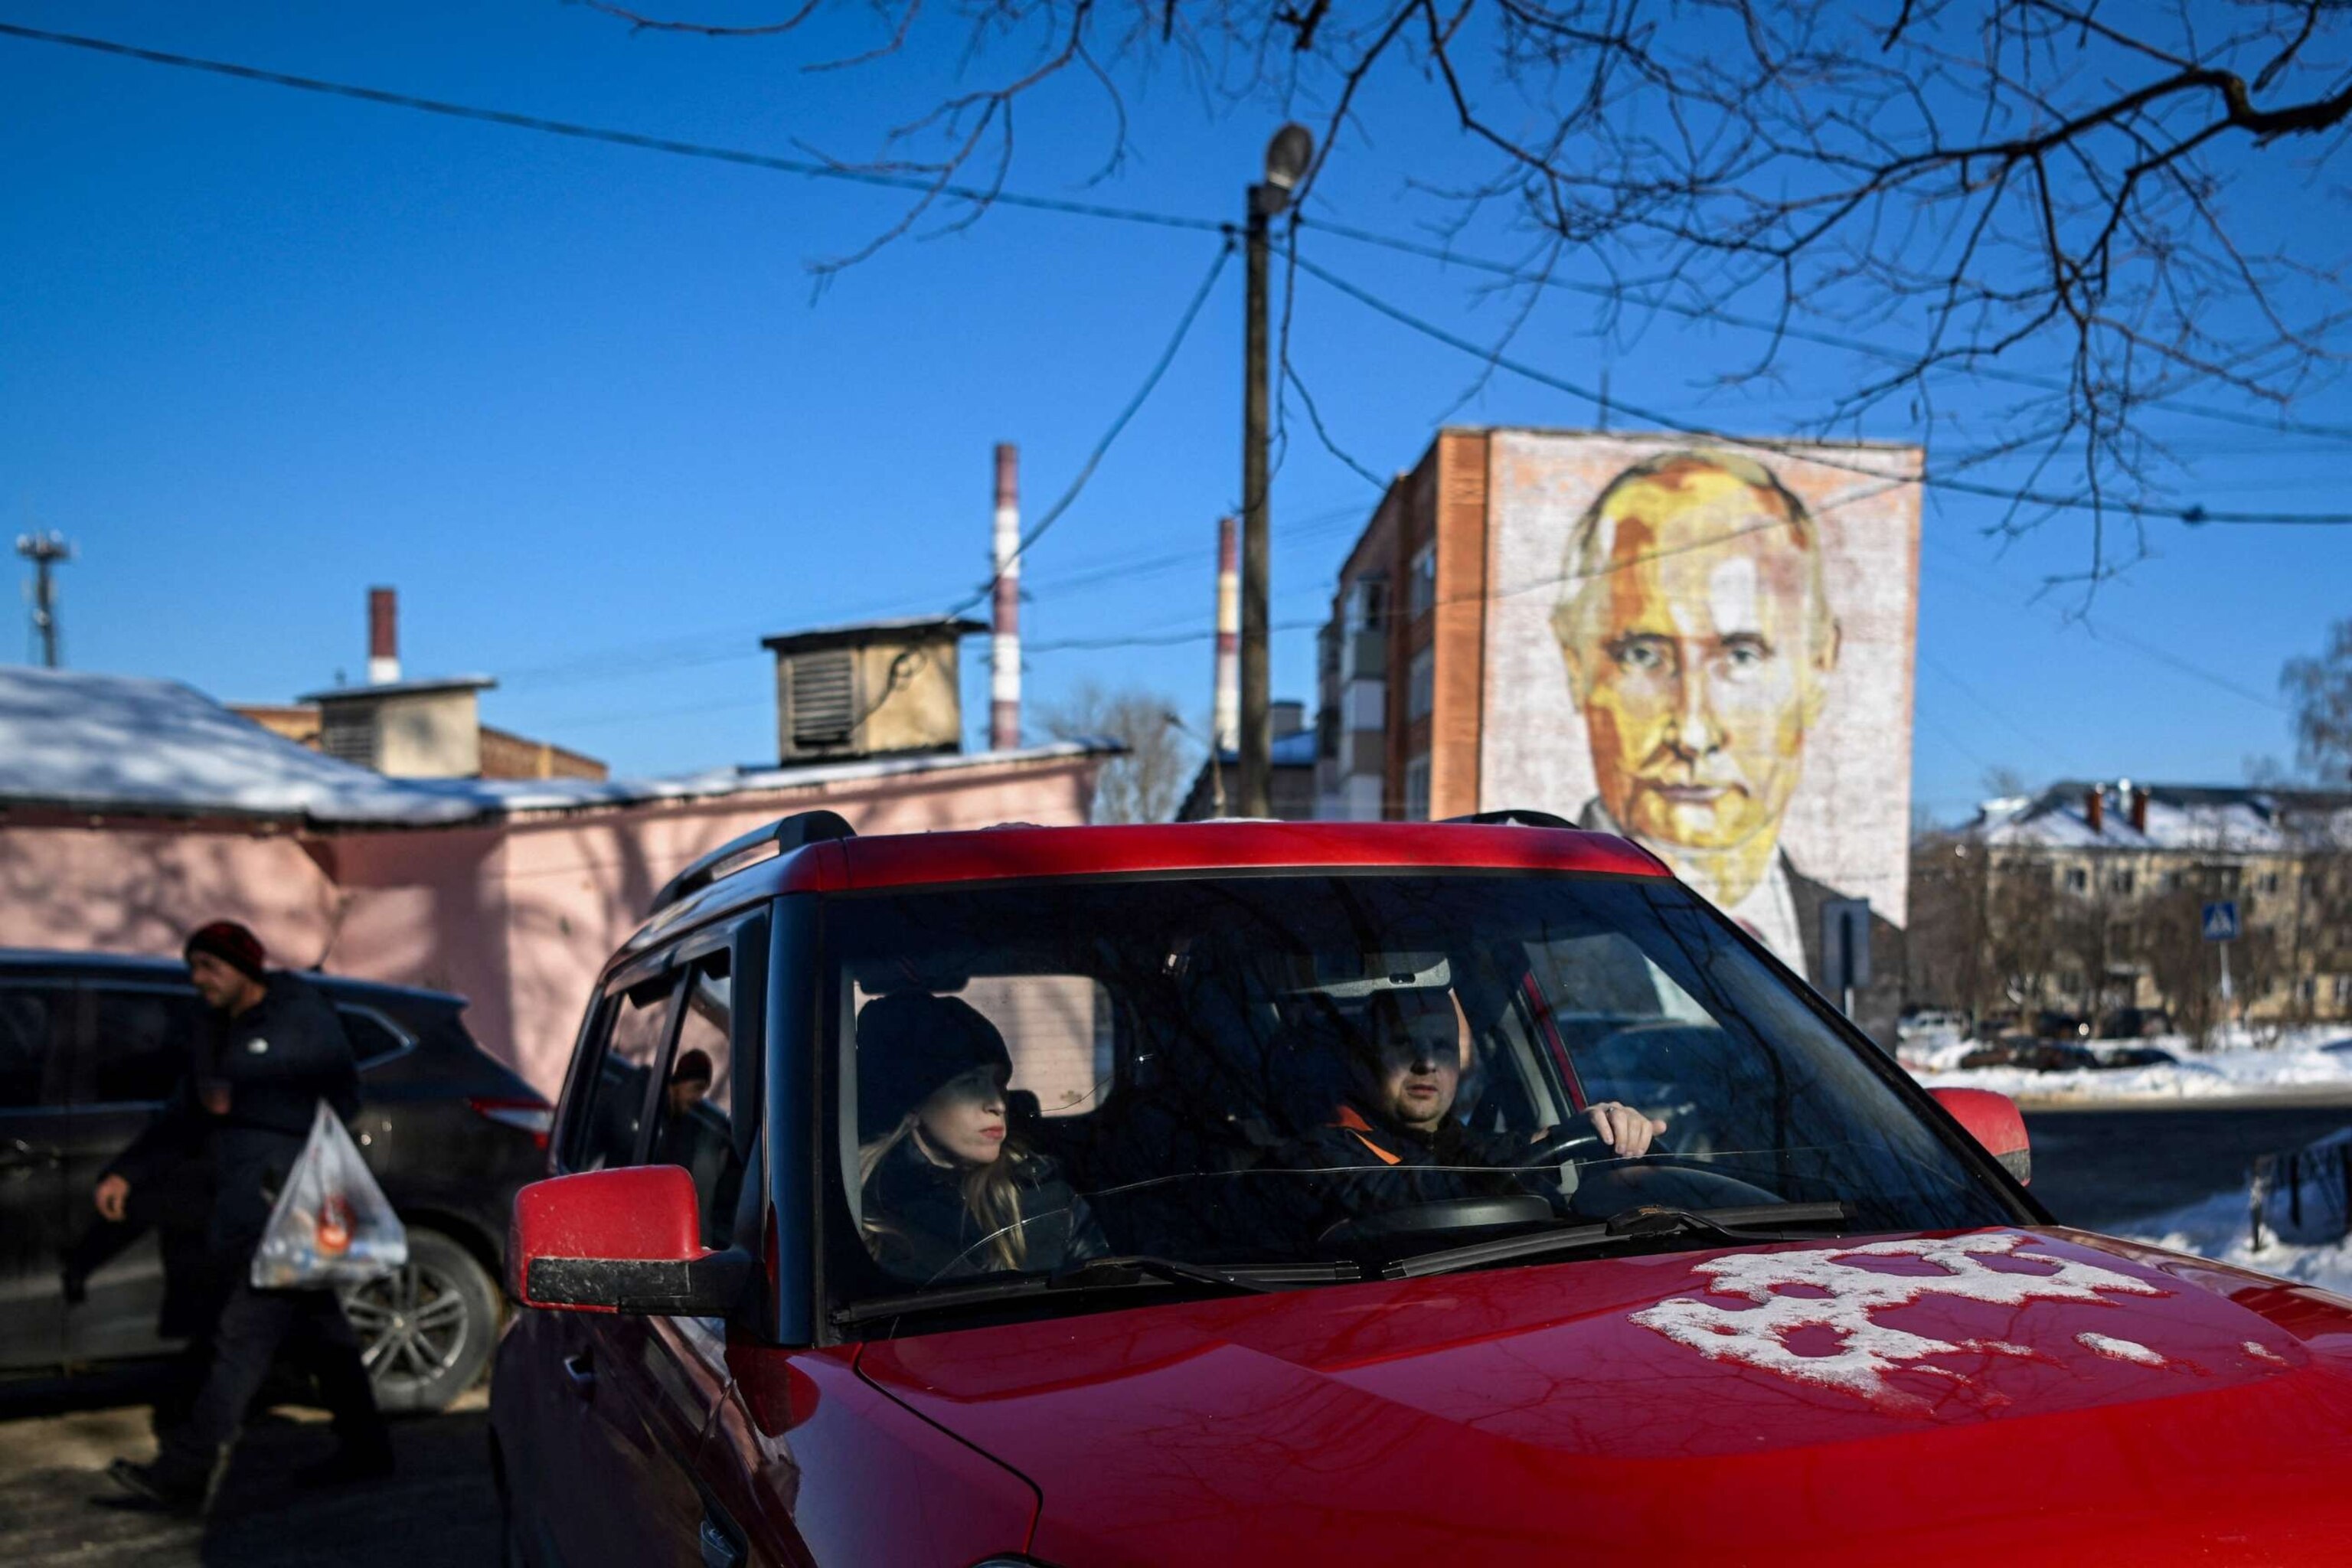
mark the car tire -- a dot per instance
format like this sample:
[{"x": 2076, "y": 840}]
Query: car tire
[{"x": 427, "y": 1332}]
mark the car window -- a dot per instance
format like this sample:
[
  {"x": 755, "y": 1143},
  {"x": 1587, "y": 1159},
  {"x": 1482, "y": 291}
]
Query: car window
[
  {"x": 1268, "y": 1070},
  {"x": 372, "y": 1038},
  {"x": 140, "y": 1042},
  {"x": 34, "y": 1022},
  {"x": 1058, "y": 1029},
  {"x": 612, "y": 1109},
  {"x": 696, "y": 1127}
]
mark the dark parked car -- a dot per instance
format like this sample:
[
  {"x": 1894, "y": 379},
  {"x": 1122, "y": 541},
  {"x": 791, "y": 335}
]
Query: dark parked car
[
  {"x": 2134, "y": 1023},
  {"x": 2137, "y": 1057},
  {"x": 2040, "y": 1056},
  {"x": 90, "y": 1045}
]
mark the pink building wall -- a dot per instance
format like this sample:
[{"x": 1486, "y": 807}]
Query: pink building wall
[{"x": 517, "y": 916}]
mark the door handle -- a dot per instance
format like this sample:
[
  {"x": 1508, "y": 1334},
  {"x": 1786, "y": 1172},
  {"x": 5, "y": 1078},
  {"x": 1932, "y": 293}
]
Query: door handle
[
  {"x": 582, "y": 1370},
  {"x": 719, "y": 1548}
]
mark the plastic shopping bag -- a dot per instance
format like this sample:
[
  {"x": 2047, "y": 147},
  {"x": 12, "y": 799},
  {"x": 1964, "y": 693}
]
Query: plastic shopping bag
[{"x": 331, "y": 1224}]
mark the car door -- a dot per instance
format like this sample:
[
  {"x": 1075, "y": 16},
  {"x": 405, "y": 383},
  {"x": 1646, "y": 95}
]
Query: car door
[
  {"x": 704, "y": 1121},
  {"x": 616, "y": 1448},
  {"x": 136, "y": 1039},
  {"x": 36, "y": 1224}
]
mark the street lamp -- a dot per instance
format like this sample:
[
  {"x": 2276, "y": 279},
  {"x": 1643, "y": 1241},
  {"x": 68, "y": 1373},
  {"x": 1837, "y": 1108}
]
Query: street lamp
[{"x": 1287, "y": 156}]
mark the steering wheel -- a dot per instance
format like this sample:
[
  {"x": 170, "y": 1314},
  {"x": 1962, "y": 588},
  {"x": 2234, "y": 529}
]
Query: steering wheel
[
  {"x": 1555, "y": 1145},
  {"x": 1677, "y": 1180}
]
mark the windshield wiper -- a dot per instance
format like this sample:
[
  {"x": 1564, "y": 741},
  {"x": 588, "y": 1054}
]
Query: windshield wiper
[
  {"x": 1639, "y": 1223},
  {"x": 1124, "y": 1271}
]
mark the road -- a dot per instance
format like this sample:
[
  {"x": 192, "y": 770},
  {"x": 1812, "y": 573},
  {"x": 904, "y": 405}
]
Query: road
[
  {"x": 2098, "y": 1168},
  {"x": 439, "y": 1508}
]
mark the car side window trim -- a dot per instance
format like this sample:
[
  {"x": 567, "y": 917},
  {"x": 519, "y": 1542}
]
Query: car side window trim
[
  {"x": 588, "y": 1062},
  {"x": 391, "y": 1025},
  {"x": 55, "y": 1092}
]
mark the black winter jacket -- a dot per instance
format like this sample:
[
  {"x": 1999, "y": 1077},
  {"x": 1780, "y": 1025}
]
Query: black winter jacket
[
  {"x": 279, "y": 1059},
  {"x": 1375, "y": 1166},
  {"x": 920, "y": 1230}
]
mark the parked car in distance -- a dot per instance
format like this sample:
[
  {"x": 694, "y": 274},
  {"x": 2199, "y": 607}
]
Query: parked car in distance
[
  {"x": 1281, "y": 1193},
  {"x": 1931, "y": 1024},
  {"x": 90, "y": 1045},
  {"x": 2032, "y": 1054},
  {"x": 2050, "y": 1023},
  {"x": 2137, "y": 1057},
  {"x": 2134, "y": 1023}
]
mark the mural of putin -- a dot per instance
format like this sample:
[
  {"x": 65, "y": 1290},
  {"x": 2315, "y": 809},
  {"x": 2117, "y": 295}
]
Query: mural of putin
[{"x": 1700, "y": 646}]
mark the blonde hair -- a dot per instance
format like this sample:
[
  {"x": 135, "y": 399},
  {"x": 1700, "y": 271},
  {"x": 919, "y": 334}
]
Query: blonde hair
[{"x": 992, "y": 1194}]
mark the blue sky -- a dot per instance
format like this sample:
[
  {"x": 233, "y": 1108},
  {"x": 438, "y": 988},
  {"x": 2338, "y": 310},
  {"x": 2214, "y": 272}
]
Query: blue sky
[{"x": 586, "y": 407}]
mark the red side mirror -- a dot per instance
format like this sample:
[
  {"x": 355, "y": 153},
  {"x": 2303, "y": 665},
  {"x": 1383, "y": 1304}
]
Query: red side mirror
[
  {"x": 1993, "y": 1120},
  {"x": 620, "y": 1241}
]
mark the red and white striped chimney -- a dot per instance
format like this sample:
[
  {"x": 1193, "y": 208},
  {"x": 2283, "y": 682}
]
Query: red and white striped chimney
[
  {"x": 1225, "y": 715},
  {"x": 1005, "y": 649},
  {"x": 384, "y": 636}
]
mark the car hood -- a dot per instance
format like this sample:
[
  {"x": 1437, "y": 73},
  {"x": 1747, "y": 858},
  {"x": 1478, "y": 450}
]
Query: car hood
[{"x": 2043, "y": 1393}]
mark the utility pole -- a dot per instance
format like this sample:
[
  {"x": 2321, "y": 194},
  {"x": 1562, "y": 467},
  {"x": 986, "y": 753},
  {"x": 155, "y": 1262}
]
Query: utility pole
[
  {"x": 46, "y": 552},
  {"x": 1286, "y": 158}
]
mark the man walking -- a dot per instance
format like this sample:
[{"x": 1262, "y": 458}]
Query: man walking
[{"x": 276, "y": 1050}]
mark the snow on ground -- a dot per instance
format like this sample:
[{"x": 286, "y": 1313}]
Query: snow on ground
[
  {"x": 2305, "y": 1059},
  {"x": 2220, "y": 1227}
]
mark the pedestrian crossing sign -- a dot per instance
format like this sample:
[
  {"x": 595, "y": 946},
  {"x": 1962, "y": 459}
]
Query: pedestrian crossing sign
[{"x": 2222, "y": 920}]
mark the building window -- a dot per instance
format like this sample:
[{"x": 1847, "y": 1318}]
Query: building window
[
  {"x": 2077, "y": 879},
  {"x": 1416, "y": 789},
  {"x": 1420, "y": 685},
  {"x": 2122, "y": 937},
  {"x": 2119, "y": 882},
  {"x": 2231, "y": 876},
  {"x": 2172, "y": 881},
  {"x": 2070, "y": 982},
  {"x": 2268, "y": 882},
  {"x": 1368, "y": 604},
  {"x": 1425, "y": 579},
  {"x": 2343, "y": 990}
]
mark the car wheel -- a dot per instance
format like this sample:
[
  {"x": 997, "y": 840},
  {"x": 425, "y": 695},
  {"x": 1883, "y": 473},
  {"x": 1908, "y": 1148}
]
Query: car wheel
[{"x": 425, "y": 1333}]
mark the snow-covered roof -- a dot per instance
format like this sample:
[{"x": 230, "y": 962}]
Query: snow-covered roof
[
  {"x": 2216, "y": 818},
  {"x": 126, "y": 745}
]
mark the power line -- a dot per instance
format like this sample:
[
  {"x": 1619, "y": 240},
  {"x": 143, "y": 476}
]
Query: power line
[
  {"x": 2108, "y": 635},
  {"x": 2193, "y": 514},
  {"x": 1102, "y": 447},
  {"x": 808, "y": 168},
  {"x": 1171, "y": 639},
  {"x": 1616, "y": 295}
]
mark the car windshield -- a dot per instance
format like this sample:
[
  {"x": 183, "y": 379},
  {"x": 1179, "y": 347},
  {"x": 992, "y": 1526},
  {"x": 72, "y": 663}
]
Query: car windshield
[{"x": 1254, "y": 1072}]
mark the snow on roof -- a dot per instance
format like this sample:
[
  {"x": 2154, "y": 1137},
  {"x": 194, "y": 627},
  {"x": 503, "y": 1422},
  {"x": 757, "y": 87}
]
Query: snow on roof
[
  {"x": 128, "y": 745},
  {"x": 2230, "y": 820}
]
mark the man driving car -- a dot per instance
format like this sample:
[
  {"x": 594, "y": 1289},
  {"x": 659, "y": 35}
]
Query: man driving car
[{"x": 1396, "y": 1121}]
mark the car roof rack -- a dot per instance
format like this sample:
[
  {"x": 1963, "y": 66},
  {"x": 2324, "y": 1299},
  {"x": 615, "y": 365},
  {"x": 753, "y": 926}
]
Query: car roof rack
[
  {"x": 1510, "y": 817},
  {"x": 780, "y": 836}
]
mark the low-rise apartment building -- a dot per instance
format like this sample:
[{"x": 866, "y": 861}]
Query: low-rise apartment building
[{"x": 2090, "y": 899}]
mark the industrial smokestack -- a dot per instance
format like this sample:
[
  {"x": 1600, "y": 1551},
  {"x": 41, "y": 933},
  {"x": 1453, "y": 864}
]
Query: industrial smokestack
[
  {"x": 384, "y": 636},
  {"x": 1225, "y": 716},
  {"x": 1004, "y": 675}
]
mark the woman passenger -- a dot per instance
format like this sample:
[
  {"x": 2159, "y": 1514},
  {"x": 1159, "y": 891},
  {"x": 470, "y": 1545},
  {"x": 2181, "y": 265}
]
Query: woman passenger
[{"x": 946, "y": 1191}]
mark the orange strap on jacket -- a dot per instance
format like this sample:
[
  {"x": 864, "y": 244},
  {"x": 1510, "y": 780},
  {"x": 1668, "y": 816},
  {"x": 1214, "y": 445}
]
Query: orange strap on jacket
[{"x": 1350, "y": 1121}]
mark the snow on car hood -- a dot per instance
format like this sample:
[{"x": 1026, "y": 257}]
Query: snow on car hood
[{"x": 2045, "y": 1394}]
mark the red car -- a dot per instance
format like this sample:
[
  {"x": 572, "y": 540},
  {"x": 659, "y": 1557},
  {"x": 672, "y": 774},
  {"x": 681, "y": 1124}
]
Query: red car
[{"x": 1243, "y": 1193}]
